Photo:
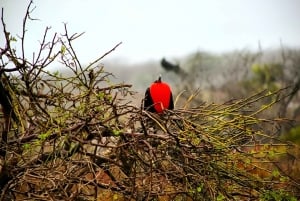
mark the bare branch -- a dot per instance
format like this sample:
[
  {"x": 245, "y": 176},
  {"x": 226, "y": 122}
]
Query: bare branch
[{"x": 104, "y": 55}]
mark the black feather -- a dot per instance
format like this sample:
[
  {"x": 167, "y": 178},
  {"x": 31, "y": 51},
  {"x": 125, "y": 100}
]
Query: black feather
[{"x": 148, "y": 102}]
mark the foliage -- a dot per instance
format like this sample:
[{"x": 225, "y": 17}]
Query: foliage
[
  {"x": 77, "y": 137},
  {"x": 240, "y": 73},
  {"x": 293, "y": 135},
  {"x": 279, "y": 195},
  {"x": 265, "y": 76}
]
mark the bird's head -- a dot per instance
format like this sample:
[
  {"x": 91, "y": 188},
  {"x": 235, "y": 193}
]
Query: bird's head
[{"x": 159, "y": 79}]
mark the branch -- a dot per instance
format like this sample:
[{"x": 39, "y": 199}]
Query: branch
[
  {"x": 104, "y": 55},
  {"x": 117, "y": 86},
  {"x": 8, "y": 50}
]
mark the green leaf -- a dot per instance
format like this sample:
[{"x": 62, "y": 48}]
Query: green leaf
[
  {"x": 117, "y": 132},
  {"x": 272, "y": 154},
  {"x": 13, "y": 39},
  {"x": 63, "y": 49},
  {"x": 247, "y": 160},
  {"x": 220, "y": 197},
  {"x": 199, "y": 188},
  {"x": 115, "y": 197},
  {"x": 109, "y": 97},
  {"x": 56, "y": 73},
  {"x": 43, "y": 136},
  {"x": 26, "y": 146},
  {"x": 100, "y": 95},
  {"x": 284, "y": 179},
  {"x": 275, "y": 173}
]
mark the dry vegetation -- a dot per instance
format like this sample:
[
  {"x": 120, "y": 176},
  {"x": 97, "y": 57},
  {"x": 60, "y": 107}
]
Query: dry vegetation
[{"x": 77, "y": 137}]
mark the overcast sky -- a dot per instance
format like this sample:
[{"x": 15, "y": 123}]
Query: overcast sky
[{"x": 160, "y": 28}]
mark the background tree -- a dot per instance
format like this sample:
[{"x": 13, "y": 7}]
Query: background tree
[{"x": 238, "y": 74}]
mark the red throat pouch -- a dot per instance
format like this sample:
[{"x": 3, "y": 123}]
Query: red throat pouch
[{"x": 160, "y": 93}]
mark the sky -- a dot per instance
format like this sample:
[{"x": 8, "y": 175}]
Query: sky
[{"x": 150, "y": 30}]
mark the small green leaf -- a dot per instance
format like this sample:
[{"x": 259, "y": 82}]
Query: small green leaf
[
  {"x": 63, "y": 49},
  {"x": 220, "y": 197},
  {"x": 272, "y": 154},
  {"x": 56, "y": 73},
  {"x": 100, "y": 95},
  {"x": 26, "y": 146},
  {"x": 117, "y": 132},
  {"x": 115, "y": 197},
  {"x": 284, "y": 179},
  {"x": 199, "y": 188},
  {"x": 12, "y": 38},
  {"x": 43, "y": 136},
  {"x": 109, "y": 97},
  {"x": 275, "y": 173},
  {"x": 247, "y": 160}
]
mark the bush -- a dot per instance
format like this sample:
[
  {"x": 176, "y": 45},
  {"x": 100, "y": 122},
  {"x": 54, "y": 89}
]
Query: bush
[{"x": 76, "y": 137}]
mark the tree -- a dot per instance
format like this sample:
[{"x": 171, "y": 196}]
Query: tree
[
  {"x": 237, "y": 74},
  {"x": 76, "y": 137}
]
